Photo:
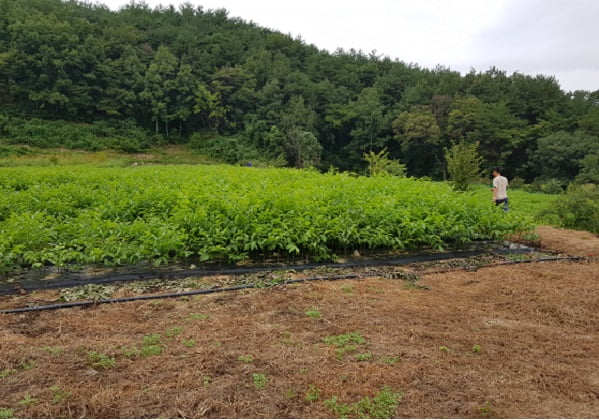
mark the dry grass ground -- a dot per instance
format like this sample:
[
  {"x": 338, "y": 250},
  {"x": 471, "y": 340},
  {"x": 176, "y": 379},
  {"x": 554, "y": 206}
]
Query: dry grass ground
[{"x": 507, "y": 341}]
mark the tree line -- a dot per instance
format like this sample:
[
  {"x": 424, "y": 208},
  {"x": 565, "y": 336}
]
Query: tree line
[{"x": 143, "y": 75}]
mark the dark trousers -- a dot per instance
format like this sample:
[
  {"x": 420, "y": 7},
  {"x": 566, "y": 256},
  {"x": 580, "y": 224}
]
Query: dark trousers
[{"x": 503, "y": 201}]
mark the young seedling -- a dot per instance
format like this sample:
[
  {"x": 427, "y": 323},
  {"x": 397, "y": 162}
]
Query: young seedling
[
  {"x": 363, "y": 357},
  {"x": 53, "y": 350},
  {"x": 291, "y": 394},
  {"x": 246, "y": 358},
  {"x": 27, "y": 400},
  {"x": 130, "y": 352},
  {"x": 313, "y": 313},
  {"x": 486, "y": 410},
  {"x": 390, "y": 360},
  {"x": 27, "y": 365},
  {"x": 381, "y": 406},
  {"x": 444, "y": 349},
  {"x": 171, "y": 332},
  {"x": 345, "y": 343},
  {"x": 259, "y": 380},
  {"x": 476, "y": 348},
  {"x": 151, "y": 346},
  {"x": 347, "y": 288},
  {"x": 189, "y": 343},
  {"x": 59, "y": 394},
  {"x": 100, "y": 360},
  {"x": 313, "y": 393},
  {"x": 6, "y": 413},
  {"x": 197, "y": 317}
]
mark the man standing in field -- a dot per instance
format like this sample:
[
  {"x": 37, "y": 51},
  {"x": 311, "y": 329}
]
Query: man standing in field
[{"x": 499, "y": 189}]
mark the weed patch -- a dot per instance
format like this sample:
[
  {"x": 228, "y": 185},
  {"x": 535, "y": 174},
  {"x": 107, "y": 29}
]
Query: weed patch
[
  {"x": 27, "y": 400},
  {"x": 313, "y": 393},
  {"x": 171, "y": 332},
  {"x": 313, "y": 313},
  {"x": 6, "y": 413},
  {"x": 100, "y": 360},
  {"x": 345, "y": 343},
  {"x": 53, "y": 350},
  {"x": 59, "y": 394},
  {"x": 381, "y": 406},
  {"x": 259, "y": 379},
  {"x": 246, "y": 358}
]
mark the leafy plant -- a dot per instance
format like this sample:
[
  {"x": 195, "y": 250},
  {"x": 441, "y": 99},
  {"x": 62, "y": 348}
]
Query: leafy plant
[
  {"x": 27, "y": 365},
  {"x": 313, "y": 393},
  {"x": 379, "y": 164},
  {"x": 391, "y": 360},
  {"x": 206, "y": 380},
  {"x": 363, "y": 357},
  {"x": 345, "y": 343},
  {"x": 486, "y": 410},
  {"x": 130, "y": 352},
  {"x": 71, "y": 215},
  {"x": 476, "y": 348},
  {"x": 463, "y": 164},
  {"x": 59, "y": 394},
  {"x": 578, "y": 208},
  {"x": 347, "y": 288},
  {"x": 7, "y": 372},
  {"x": 381, "y": 406},
  {"x": 189, "y": 343},
  {"x": 444, "y": 349},
  {"x": 313, "y": 313},
  {"x": 290, "y": 393},
  {"x": 27, "y": 400},
  {"x": 171, "y": 332},
  {"x": 246, "y": 358},
  {"x": 259, "y": 380},
  {"x": 198, "y": 317},
  {"x": 100, "y": 360},
  {"x": 6, "y": 413},
  {"x": 53, "y": 350},
  {"x": 151, "y": 346}
]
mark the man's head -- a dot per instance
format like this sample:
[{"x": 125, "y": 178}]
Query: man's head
[{"x": 496, "y": 171}]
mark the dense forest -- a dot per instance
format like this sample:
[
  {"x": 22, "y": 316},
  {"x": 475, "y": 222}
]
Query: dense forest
[{"x": 79, "y": 75}]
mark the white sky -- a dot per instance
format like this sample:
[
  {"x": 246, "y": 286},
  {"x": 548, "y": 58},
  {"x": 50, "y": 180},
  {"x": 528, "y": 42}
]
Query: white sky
[{"x": 552, "y": 37}]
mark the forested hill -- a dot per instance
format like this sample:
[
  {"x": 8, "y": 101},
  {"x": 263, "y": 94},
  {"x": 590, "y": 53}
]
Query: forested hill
[{"x": 80, "y": 75}]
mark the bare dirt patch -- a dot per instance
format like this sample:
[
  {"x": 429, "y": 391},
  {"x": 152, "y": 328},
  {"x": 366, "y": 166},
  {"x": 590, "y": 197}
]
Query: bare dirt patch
[
  {"x": 507, "y": 341},
  {"x": 572, "y": 242}
]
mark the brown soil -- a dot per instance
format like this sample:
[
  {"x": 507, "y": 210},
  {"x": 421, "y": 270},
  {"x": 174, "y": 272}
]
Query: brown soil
[
  {"x": 572, "y": 242},
  {"x": 536, "y": 327}
]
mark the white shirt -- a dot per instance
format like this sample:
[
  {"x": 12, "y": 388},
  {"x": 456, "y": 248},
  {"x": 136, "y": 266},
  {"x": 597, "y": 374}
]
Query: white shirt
[{"x": 500, "y": 184}]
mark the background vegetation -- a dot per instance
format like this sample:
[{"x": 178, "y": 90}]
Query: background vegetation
[{"x": 78, "y": 75}]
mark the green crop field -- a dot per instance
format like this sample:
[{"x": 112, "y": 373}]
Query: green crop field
[
  {"x": 161, "y": 214},
  {"x": 522, "y": 203}
]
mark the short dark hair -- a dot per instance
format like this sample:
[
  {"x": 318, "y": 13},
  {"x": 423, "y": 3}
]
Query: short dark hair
[{"x": 496, "y": 169}]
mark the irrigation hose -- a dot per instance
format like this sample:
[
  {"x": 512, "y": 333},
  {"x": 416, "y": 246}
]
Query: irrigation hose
[
  {"x": 242, "y": 287},
  {"x": 14, "y": 288}
]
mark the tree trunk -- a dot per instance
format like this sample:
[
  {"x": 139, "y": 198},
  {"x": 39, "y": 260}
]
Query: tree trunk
[{"x": 166, "y": 120}]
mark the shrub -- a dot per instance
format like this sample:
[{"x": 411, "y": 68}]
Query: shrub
[
  {"x": 380, "y": 164},
  {"x": 578, "y": 208},
  {"x": 118, "y": 135},
  {"x": 463, "y": 164},
  {"x": 517, "y": 182},
  {"x": 225, "y": 149}
]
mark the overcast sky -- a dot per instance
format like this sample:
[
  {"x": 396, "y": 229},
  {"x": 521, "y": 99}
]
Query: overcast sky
[{"x": 552, "y": 37}]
